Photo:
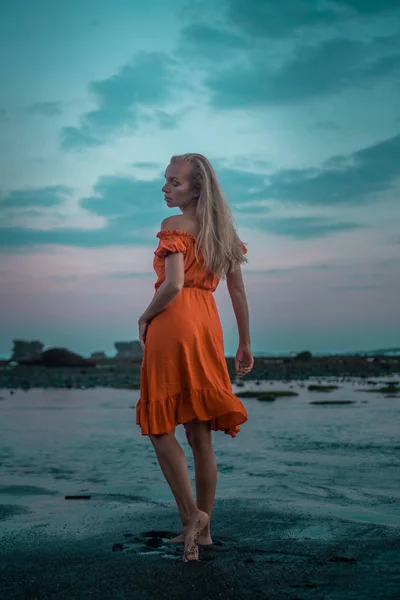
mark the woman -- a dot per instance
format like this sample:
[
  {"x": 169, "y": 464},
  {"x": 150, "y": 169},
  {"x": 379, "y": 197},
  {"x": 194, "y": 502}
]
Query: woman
[{"x": 184, "y": 377}]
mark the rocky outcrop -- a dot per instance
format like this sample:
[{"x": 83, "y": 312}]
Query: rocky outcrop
[
  {"x": 25, "y": 350},
  {"x": 98, "y": 356},
  {"x": 61, "y": 357},
  {"x": 58, "y": 357},
  {"x": 306, "y": 355},
  {"x": 128, "y": 350}
]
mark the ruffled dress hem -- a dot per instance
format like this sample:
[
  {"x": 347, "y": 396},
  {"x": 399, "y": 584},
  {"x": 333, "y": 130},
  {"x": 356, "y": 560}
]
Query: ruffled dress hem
[{"x": 160, "y": 416}]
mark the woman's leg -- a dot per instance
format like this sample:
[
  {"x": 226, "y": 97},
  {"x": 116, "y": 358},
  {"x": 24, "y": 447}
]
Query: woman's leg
[
  {"x": 200, "y": 439},
  {"x": 173, "y": 464}
]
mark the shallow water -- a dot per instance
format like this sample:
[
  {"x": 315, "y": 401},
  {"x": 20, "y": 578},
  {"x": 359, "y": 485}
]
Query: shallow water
[{"x": 326, "y": 460}]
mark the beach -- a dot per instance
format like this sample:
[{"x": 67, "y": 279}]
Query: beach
[
  {"x": 259, "y": 554},
  {"x": 307, "y": 505}
]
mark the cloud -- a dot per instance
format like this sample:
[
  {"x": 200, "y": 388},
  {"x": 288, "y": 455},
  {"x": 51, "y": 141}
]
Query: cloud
[
  {"x": 352, "y": 179},
  {"x": 343, "y": 179},
  {"x": 146, "y": 82},
  {"x": 20, "y": 237},
  {"x": 312, "y": 71},
  {"x": 369, "y": 7},
  {"x": 73, "y": 138},
  {"x": 270, "y": 19},
  {"x": 213, "y": 37},
  {"x": 201, "y": 42},
  {"x": 239, "y": 185},
  {"x": 132, "y": 208},
  {"x": 305, "y": 227},
  {"x": 45, "y": 108},
  {"x": 146, "y": 165},
  {"x": 45, "y": 197},
  {"x": 166, "y": 120},
  {"x": 125, "y": 198}
]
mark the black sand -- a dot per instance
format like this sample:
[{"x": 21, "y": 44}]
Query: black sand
[{"x": 120, "y": 551}]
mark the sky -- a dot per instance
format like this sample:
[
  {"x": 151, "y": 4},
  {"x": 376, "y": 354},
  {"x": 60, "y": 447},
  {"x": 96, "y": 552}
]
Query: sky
[{"x": 296, "y": 105}]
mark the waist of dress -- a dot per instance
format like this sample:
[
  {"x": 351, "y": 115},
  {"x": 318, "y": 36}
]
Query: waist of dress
[
  {"x": 196, "y": 287},
  {"x": 188, "y": 286}
]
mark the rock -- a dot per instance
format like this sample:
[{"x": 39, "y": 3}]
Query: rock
[
  {"x": 306, "y": 356},
  {"x": 128, "y": 350},
  {"x": 322, "y": 388},
  {"x": 333, "y": 402},
  {"x": 98, "y": 355},
  {"x": 117, "y": 547},
  {"x": 257, "y": 394},
  {"x": 266, "y": 398},
  {"x": 154, "y": 542},
  {"x": 61, "y": 357},
  {"x": 24, "y": 350}
]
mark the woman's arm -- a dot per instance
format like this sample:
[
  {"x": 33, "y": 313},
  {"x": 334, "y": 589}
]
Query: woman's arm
[
  {"x": 170, "y": 288},
  {"x": 164, "y": 295},
  {"x": 237, "y": 293}
]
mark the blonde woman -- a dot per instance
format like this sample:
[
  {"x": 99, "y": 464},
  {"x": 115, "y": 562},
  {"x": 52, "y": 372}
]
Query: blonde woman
[{"x": 184, "y": 377}]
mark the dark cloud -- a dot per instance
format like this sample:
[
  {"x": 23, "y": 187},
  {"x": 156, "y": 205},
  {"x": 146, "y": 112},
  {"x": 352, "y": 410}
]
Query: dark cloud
[
  {"x": 213, "y": 37},
  {"x": 166, "y": 120},
  {"x": 145, "y": 82},
  {"x": 300, "y": 228},
  {"x": 45, "y": 197},
  {"x": 369, "y": 7},
  {"x": 12, "y": 237},
  {"x": 271, "y": 19},
  {"x": 313, "y": 71},
  {"x": 239, "y": 185},
  {"x": 132, "y": 209},
  {"x": 47, "y": 109},
  {"x": 203, "y": 42},
  {"x": 353, "y": 179},
  {"x": 73, "y": 138},
  {"x": 268, "y": 18},
  {"x": 343, "y": 179},
  {"x": 126, "y": 199}
]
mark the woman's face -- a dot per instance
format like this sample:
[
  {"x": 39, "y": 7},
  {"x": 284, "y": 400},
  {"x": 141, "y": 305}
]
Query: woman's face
[{"x": 177, "y": 189}]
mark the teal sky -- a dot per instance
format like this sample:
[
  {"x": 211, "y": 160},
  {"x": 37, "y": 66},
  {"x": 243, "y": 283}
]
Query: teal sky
[{"x": 296, "y": 103}]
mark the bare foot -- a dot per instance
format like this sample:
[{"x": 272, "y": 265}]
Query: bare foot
[
  {"x": 197, "y": 522},
  {"x": 204, "y": 539}
]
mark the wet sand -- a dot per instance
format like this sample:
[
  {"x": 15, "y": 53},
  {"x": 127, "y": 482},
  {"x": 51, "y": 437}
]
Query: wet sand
[{"x": 91, "y": 549}]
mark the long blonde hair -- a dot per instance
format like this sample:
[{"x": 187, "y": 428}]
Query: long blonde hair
[{"x": 220, "y": 245}]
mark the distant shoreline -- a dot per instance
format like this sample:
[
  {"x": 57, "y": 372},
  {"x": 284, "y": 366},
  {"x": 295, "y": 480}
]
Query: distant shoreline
[{"x": 126, "y": 373}]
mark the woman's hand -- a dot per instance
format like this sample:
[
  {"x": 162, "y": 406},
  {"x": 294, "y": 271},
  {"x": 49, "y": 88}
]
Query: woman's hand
[
  {"x": 143, "y": 324},
  {"x": 244, "y": 360}
]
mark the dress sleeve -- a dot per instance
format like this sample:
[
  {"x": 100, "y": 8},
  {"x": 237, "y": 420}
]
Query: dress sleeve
[{"x": 169, "y": 242}]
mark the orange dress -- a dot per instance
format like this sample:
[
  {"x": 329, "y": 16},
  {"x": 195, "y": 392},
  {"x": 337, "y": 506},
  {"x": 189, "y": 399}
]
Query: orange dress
[{"x": 184, "y": 375}]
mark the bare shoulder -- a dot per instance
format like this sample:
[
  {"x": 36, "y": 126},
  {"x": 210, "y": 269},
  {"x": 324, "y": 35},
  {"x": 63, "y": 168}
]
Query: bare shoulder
[
  {"x": 180, "y": 223},
  {"x": 171, "y": 222}
]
